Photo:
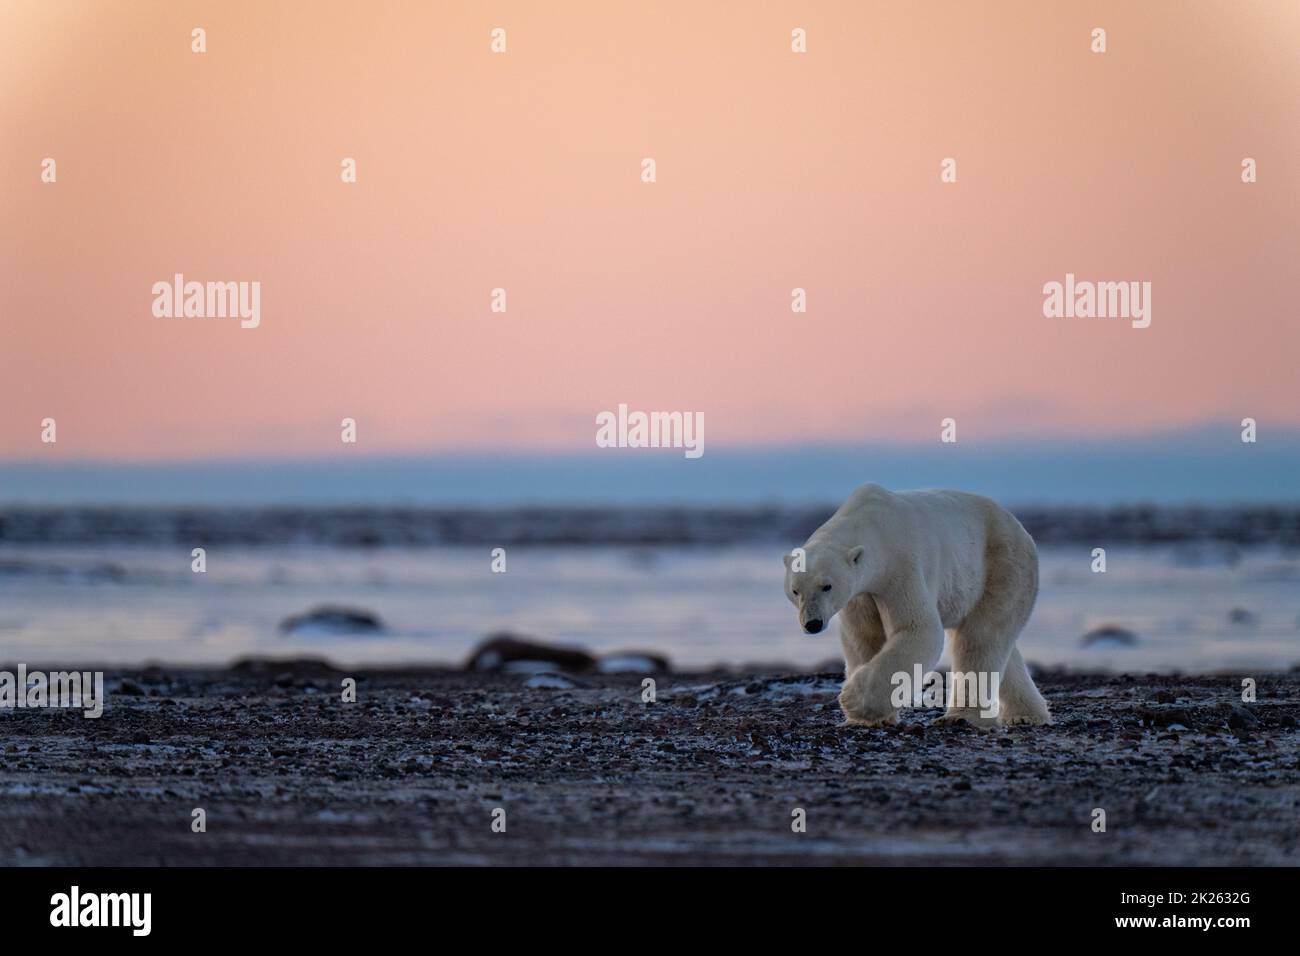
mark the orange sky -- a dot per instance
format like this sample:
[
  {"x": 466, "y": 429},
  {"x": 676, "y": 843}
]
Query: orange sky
[{"x": 521, "y": 170}]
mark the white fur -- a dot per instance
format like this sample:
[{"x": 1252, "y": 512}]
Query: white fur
[{"x": 903, "y": 567}]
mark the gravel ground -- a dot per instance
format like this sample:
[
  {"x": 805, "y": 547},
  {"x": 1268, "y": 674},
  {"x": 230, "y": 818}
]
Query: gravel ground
[{"x": 586, "y": 773}]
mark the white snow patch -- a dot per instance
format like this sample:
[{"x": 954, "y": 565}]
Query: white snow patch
[{"x": 549, "y": 682}]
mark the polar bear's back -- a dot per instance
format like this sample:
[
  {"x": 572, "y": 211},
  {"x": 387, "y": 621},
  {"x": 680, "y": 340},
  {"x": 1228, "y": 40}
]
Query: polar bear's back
[
  {"x": 934, "y": 505},
  {"x": 955, "y": 533}
]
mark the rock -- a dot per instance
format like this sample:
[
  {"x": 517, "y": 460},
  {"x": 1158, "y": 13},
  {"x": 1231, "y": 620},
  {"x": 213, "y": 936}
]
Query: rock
[
  {"x": 633, "y": 662},
  {"x": 1239, "y": 615},
  {"x": 262, "y": 667},
  {"x": 1166, "y": 717},
  {"x": 1239, "y": 718},
  {"x": 333, "y": 619},
  {"x": 130, "y": 688},
  {"x": 1110, "y": 634},
  {"x": 505, "y": 652}
]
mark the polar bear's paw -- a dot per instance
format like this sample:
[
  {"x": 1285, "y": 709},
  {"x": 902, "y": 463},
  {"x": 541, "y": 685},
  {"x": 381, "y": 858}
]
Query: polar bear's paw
[
  {"x": 957, "y": 716},
  {"x": 860, "y": 709},
  {"x": 1026, "y": 720},
  {"x": 866, "y": 720}
]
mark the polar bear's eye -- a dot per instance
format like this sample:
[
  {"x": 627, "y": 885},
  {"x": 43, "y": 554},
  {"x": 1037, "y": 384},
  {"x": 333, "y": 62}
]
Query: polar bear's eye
[
  {"x": 794, "y": 592},
  {"x": 826, "y": 588}
]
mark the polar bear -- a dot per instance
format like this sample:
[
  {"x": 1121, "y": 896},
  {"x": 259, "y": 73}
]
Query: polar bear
[{"x": 900, "y": 568}]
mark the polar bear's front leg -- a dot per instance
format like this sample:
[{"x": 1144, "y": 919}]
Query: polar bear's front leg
[
  {"x": 862, "y": 634},
  {"x": 866, "y": 695}
]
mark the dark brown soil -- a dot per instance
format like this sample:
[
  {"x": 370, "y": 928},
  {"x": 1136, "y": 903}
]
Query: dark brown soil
[{"x": 710, "y": 773}]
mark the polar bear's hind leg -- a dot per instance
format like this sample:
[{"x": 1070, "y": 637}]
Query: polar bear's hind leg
[
  {"x": 1020, "y": 701},
  {"x": 985, "y": 642},
  {"x": 979, "y": 647}
]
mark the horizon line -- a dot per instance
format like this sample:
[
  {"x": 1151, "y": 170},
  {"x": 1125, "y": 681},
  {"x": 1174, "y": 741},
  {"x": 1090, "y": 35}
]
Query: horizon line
[{"x": 1205, "y": 430}]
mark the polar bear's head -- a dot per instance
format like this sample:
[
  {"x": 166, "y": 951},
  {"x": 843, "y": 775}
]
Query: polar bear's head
[{"x": 822, "y": 582}]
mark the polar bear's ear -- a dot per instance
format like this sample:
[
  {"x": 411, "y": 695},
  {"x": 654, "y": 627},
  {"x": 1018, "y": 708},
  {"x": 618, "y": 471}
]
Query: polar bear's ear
[
  {"x": 786, "y": 559},
  {"x": 855, "y": 554}
]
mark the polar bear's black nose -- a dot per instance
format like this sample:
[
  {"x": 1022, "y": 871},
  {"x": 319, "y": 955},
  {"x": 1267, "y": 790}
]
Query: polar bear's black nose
[{"x": 813, "y": 626}]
